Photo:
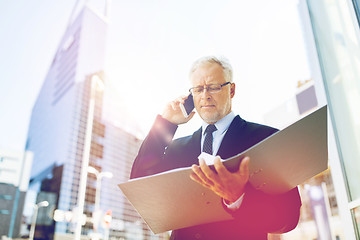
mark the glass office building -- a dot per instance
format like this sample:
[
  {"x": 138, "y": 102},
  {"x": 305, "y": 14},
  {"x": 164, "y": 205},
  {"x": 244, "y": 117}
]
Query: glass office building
[
  {"x": 57, "y": 136},
  {"x": 332, "y": 31}
]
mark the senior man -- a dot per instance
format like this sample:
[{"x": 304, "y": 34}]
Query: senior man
[{"x": 222, "y": 134}]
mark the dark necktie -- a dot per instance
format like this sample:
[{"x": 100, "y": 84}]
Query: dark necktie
[{"x": 208, "y": 142}]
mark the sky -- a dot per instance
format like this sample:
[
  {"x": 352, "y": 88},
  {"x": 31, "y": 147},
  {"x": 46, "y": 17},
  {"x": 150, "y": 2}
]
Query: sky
[{"x": 150, "y": 48}]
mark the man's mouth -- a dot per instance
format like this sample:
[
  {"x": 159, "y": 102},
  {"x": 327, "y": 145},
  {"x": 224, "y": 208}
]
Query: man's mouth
[{"x": 207, "y": 106}]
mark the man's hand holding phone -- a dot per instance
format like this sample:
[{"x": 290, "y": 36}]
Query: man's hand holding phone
[
  {"x": 187, "y": 106},
  {"x": 175, "y": 110}
]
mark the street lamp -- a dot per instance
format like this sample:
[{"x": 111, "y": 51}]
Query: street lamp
[
  {"x": 99, "y": 176},
  {"x": 33, "y": 222}
]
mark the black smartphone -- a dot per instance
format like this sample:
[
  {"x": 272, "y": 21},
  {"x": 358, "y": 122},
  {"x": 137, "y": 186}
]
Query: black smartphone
[{"x": 188, "y": 105}]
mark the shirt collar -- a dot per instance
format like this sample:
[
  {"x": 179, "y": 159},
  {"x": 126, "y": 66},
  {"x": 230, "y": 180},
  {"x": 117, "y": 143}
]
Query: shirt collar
[{"x": 222, "y": 125}]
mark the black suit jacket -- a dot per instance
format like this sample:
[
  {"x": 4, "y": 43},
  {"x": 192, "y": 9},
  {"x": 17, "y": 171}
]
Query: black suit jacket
[{"x": 258, "y": 214}]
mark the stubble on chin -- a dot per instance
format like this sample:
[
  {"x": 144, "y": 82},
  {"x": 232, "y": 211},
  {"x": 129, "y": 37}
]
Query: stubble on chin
[{"x": 209, "y": 117}]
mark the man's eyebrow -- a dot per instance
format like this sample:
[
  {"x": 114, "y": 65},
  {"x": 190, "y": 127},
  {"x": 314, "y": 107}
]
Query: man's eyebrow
[{"x": 210, "y": 83}]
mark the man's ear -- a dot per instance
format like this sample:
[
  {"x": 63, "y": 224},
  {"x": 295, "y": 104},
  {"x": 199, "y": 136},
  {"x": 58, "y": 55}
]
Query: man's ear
[{"x": 232, "y": 90}]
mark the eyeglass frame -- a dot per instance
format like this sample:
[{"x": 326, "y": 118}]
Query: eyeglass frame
[{"x": 208, "y": 86}]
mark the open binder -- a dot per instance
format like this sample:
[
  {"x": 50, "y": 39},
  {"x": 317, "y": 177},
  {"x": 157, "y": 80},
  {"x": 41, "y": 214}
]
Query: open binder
[{"x": 171, "y": 200}]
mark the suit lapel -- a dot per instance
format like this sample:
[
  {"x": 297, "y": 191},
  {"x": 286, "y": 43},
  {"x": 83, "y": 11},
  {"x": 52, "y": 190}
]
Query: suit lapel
[
  {"x": 193, "y": 149},
  {"x": 233, "y": 139}
]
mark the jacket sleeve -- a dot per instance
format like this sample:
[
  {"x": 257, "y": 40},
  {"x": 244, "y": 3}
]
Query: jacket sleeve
[
  {"x": 271, "y": 213},
  {"x": 151, "y": 153}
]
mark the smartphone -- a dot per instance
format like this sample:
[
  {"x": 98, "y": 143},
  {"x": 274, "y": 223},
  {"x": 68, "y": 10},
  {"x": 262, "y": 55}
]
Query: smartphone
[{"x": 188, "y": 105}]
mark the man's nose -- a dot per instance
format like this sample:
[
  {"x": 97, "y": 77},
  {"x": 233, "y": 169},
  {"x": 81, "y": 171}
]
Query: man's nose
[{"x": 205, "y": 93}]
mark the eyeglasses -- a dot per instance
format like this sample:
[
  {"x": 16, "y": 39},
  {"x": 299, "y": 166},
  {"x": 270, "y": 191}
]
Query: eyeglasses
[{"x": 212, "y": 88}]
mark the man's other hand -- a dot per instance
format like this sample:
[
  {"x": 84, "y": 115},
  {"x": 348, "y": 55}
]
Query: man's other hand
[
  {"x": 227, "y": 185},
  {"x": 173, "y": 113}
]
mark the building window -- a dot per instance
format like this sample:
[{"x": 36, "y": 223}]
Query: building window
[
  {"x": 6, "y": 197},
  {"x": 4, "y": 212}
]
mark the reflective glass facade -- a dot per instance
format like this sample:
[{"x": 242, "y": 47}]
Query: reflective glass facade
[
  {"x": 57, "y": 136},
  {"x": 339, "y": 54},
  {"x": 336, "y": 31}
]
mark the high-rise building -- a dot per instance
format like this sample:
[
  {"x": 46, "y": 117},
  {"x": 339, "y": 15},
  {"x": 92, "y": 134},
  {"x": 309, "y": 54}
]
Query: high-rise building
[
  {"x": 14, "y": 181},
  {"x": 70, "y": 98},
  {"x": 57, "y": 126}
]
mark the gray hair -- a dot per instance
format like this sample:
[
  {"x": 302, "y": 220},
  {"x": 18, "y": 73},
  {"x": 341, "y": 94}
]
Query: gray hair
[{"x": 222, "y": 61}]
